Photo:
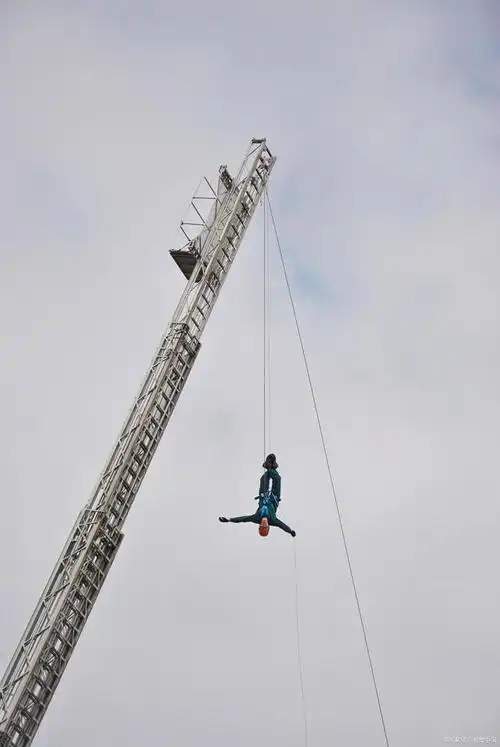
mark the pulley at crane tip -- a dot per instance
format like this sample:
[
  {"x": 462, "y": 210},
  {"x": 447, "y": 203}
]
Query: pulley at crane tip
[{"x": 264, "y": 528}]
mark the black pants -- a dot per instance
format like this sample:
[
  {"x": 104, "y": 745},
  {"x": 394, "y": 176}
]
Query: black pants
[{"x": 256, "y": 519}]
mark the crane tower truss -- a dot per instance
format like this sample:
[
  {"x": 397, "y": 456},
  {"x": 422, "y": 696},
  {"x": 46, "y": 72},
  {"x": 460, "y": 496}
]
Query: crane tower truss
[{"x": 59, "y": 617}]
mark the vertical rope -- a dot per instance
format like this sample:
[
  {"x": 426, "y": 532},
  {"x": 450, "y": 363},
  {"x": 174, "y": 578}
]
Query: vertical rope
[
  {"x": 299, "y": 651},
  {"x": 264, "y": 335},
  {"x": 268, "y": 332}
]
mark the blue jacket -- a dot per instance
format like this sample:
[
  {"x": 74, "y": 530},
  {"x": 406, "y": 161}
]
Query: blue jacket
[{"x": 270, "y": 476}]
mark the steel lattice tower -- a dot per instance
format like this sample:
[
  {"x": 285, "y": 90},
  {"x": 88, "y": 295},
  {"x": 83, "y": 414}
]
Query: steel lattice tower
[{"x": 60, "y": 615}]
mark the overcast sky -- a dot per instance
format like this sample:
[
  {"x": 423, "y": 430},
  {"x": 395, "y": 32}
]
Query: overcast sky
[{"x": 385, "y": 121}]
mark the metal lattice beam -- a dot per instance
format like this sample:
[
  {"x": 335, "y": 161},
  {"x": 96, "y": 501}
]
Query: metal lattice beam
[{"x": 74, "y": 585}]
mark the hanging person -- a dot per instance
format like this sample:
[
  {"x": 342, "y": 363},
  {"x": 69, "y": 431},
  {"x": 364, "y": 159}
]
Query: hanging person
[{"x": 269, "y": 499}]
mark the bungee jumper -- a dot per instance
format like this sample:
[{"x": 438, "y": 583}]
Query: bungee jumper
[{"x": 269, "y": 499}]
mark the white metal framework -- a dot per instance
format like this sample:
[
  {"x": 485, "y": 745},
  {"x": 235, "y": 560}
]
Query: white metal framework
[{"x": 72, "y": 589}]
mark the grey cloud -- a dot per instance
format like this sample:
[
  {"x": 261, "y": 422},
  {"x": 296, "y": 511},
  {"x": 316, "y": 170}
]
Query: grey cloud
[{"x": 386, "y": 193}]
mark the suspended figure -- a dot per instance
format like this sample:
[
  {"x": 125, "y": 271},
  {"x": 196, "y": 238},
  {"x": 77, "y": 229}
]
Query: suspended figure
[{"x": 269, "y": 498}]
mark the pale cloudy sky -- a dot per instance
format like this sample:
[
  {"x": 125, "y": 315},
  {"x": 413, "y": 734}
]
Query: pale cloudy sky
[{"x": 385, "y": 120}]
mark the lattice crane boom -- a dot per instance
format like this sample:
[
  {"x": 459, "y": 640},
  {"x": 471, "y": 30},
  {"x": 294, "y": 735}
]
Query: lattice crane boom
[{"x": 59, "y": 617}]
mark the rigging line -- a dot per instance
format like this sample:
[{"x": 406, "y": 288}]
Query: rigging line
[
  {"x": 299, "y": 651},
  {"x": 269, "y": 371},
  {"x": 265, "y": 321},
  {"x": 266, "y": 335},
  {"x": 330, "y": 474}
]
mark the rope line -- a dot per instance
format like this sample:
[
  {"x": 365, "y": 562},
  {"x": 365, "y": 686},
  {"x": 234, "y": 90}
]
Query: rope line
[
  {"x": 266, "y": 334},
  {"x": 330, "y": 473},
  {"x": 299, "y": 651},
  {"x": 269, "y": 377},
  {"x": 265, "y": 322}
]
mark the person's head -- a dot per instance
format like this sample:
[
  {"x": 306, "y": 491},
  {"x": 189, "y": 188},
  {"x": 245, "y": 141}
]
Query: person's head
[
  {"x": 270, "y": 462},
  {"x": 263, "y": 530}
]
